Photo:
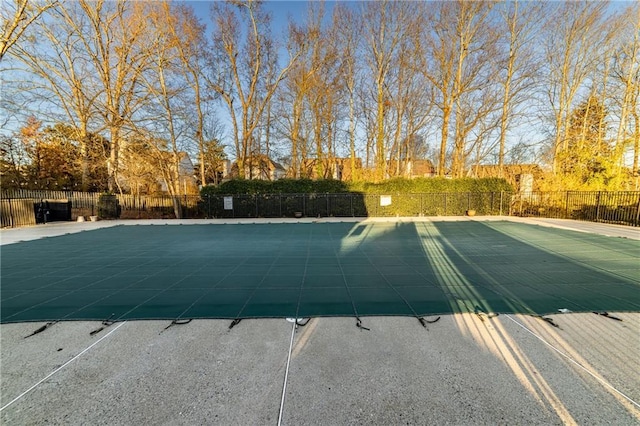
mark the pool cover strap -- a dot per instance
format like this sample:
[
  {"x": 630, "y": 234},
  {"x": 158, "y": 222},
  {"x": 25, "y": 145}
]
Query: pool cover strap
[
  {"x": 178, "y": 322},
  {"x": 606, "y": 314},
  {"x": 424, "y": 322},
  {"x": 360, "y": 326},
  {"x": 41, "y": 329},
  {"x": 547, "y": 319},
  {"x": 106, "y": 323},
  {"x": 234, "y": 323}
]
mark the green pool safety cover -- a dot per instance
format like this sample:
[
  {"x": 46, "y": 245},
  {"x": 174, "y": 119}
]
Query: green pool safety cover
[{"x": 316, "y": 269}]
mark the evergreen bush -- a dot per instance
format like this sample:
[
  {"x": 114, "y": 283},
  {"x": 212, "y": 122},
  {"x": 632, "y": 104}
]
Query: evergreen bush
[{"x": 330, "y": 186}]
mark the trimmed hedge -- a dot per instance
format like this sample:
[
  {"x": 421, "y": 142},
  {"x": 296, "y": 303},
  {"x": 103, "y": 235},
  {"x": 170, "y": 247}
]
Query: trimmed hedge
[
  {"x": 356, "y": 205},
  {"x": 329, "y": 186}
]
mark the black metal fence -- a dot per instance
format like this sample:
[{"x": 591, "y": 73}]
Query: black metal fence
[
  {"x": 621, "y": 207},
  {"x": 609, "y": 207}
]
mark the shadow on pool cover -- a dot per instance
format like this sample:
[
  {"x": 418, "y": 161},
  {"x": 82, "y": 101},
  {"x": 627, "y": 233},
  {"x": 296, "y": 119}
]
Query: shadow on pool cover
[{"x": 316, "y": 269}]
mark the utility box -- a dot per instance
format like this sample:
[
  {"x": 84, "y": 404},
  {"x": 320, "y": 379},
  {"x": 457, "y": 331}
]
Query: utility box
[{"x": 109, "y": 206}]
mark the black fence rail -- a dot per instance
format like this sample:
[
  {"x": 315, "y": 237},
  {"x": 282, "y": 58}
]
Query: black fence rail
[
  {"x": 595, "y": 206},
  {"x": 12, "y": 210},
  {"x": 16, "y": 207}
]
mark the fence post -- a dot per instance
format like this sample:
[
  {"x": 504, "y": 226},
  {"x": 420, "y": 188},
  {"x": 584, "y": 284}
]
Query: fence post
[
  {"x": 598, "y": 206},
  {"x": 521, "y": 213},
  {"x": 256, "y": 197},
  {"x": 566, "y": 206},
  {"x": 501, "y": 192},
  {"x": 11, "y": 219},
  {"x": 327, "y": 195},
  {"x": 351, "y": 202}
]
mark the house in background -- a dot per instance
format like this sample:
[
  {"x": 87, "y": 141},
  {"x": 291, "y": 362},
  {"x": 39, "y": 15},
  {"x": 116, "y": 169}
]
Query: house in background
[
  {"x": 410, "y": 168},
  {"x": 148, "y": 175},
  {"x": 257, "y": 167},
  {"x": 523, "y": 177},
  {"x": 329, "y": 168},
  {"x": 338, "y": 168},
  {"x": 187, "y": 181}
]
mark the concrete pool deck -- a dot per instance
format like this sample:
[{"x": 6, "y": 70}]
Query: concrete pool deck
[
  {"x": 462, "y": 369},
  {"x": 52, "y": 229}
]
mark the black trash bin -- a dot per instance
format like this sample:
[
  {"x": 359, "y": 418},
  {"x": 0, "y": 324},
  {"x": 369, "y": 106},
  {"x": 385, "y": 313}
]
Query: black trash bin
[{"x": 40, "y": 210}]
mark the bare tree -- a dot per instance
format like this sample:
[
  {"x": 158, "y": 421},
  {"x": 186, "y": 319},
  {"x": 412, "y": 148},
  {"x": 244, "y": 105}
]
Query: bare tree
[
  {"x": 312, "y": 95},
  {"x": 440, "y": 68},
  {"x": 241, "y": 77},
  {"x": 111, "y": 41},
  {"x": 168, "y": 97},
  {"x": 17, "y": 16},
  {"x": 57, "y": 72},
  {"x": 627, "y": 73},
  {"x": 291, "y": 99},
  {"x": 520, "y": 66},
  {"x": 325, "y": 91},
  {"x": 572, "y": 33},
  {"x": 411, "y": 101},
  {"x": 386, "y": 24},
  {"x": 190, "y": 43},
  {"x": 348, "y": 31},
  {"x": 456, "y": 59},
  {"x": 474, "y": 50}
]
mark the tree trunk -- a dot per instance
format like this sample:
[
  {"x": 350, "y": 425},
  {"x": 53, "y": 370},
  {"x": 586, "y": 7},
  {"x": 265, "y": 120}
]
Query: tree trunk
[
  {"x": 84, "y": 158},
  {"x": 446, "y": 114},
  {"x": 352, "y": 135},
  {"x": 112, "y": 163},
  {"x": 380, "y": 154},
  {"x": 636, "y": 142}
]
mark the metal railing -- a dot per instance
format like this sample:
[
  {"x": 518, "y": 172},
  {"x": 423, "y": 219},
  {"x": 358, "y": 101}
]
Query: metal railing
[
  {"x": 621, "y": 207},
  {"x": 608, "y": 207}
]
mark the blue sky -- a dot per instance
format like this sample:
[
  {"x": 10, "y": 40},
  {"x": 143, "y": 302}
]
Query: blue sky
[{"x": 280, "y": 11}]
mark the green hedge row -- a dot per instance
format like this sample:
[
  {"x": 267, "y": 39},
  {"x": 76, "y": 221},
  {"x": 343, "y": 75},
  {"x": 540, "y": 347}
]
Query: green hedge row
[
  {"x": 329, "y": 186},
  {"x": 355, "y": 204}
]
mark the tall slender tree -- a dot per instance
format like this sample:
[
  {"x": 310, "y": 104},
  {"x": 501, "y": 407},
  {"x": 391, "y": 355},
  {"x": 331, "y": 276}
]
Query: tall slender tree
[
  {"x": 192, "y": 48},
  {"x": 243, "y": 56},
  {"x": 520, "y": 65},
  {"x": 573, "y": 33},
  {"x": 348, "y": 33},
  {"x": 627, "y": 74},
  {"x": 111, "y": 39},
  {"x": 386, "y": 24},
  {"x": 62, "y": 76}
]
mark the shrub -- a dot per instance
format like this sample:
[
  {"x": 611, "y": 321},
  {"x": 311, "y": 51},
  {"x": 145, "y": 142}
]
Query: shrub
[{"x": 330, "y": 186}]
